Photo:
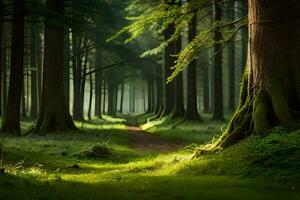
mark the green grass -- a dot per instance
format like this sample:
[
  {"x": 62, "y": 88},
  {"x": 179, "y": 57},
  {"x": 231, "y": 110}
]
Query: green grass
[{"x": 42, "y": 167}]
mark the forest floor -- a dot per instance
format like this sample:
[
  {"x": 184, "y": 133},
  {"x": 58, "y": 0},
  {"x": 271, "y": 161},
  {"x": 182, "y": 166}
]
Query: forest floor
[{"x": 117, "y": 159}]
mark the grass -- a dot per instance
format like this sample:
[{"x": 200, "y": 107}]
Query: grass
[{"x": 53, "y": 166}]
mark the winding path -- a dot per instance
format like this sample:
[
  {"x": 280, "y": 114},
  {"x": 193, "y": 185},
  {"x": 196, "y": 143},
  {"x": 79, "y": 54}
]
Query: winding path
[{"x": 146, "y": 141}]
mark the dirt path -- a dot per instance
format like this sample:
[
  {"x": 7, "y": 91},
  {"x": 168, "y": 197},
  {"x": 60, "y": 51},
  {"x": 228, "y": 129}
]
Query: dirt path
[{"x": 145, "y": 141}]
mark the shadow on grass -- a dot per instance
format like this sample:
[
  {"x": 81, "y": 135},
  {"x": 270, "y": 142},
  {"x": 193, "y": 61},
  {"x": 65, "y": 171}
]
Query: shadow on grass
[{"x": 144, "y": 187}]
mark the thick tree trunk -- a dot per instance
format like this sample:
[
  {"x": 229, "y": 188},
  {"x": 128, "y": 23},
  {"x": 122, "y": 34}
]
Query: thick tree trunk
[
  {"x": 54, "y": 115},
  {"x": 11, "y": 120},
  {"x": 270, "y": 93},
  {"x": 218, "y": 80},
  {"x": 192, "y": 113}
]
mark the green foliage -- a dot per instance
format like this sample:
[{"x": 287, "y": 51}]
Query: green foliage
[{"x": 159, "y": 17}]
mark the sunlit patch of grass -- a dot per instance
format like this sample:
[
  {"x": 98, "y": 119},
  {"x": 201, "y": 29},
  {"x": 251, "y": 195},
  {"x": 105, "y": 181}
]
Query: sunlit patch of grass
[{"x": 52, "y": 168}]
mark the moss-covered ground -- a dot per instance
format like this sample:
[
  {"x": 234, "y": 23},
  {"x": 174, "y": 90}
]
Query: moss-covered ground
[{"x": 102, "y": 162}]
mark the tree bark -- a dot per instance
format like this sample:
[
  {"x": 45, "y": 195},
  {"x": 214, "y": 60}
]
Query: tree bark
[
  {"x": 54, "y": 115},
  {"x": 98, "y": 83},
  {"x": 1, "y": 55},
  {"x": 192, "y": 113},
  {"x": 218, "y": 72},
  {"x": 91, "y": 96},
  {"x": 231, "y": 60},
  {"x": 112, "y": 96},
  {"x": 67, "y": 68},
  {"x": 270, "y": 93},
  {"x": 33, "y": 65},
  {"x": 206, "y": 85},
  {"x": 179, "y": 110},
  {"x": 11, "y": 120}
]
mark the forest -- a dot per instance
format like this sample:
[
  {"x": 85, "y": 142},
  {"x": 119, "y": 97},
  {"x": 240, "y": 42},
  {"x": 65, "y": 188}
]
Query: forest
[{"x": 149, "y": 99}]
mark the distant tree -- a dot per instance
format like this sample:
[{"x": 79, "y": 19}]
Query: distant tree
[
  {"x": 11, "y": 118},
  {"x": 54, "y": 115}
]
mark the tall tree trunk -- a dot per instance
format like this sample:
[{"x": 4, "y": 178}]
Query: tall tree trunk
[
  {"x": 206, "y": 84},
  {"x": 132, "y": 96},
  {"x": 11, "y": 120},
  {"x": 67, "y": 68},
  {"x": 104, "y": 96},
  {"x": 150, "y": 86},
  {"x": 112, "y": 93},
  {"x": 39, "y": 64},
  {"x": 179, "y": 110},
  {"x": 77, "y": 72},
  {"x": 54, "y": 115},
  {"x": 1, "y": 55},
  {"x": 33, "y": 65},
  {"x": 98, "y": 83},
  {"x": 122, "y": 96},
  {"x": 192, "y": 113},
  {"x": 169, "y": 89},
  {"x": 218, "y": 74},
  {"x": 82, "y": 89},
  {"x": 4, "y": 67},
  {"x": 270, "y": 93},
  {"x": 91, "y": 97},
  {"x": 244, "y": 33},
  {"x": 231, "y": 60}
]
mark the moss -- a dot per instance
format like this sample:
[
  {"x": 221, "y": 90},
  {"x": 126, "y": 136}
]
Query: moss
[
  {"x": 260, "y": 113},
  {"x": 279, "y": 100}
]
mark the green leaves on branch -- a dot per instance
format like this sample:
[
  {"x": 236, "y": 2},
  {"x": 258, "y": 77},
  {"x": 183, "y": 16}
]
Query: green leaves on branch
[{"x": 158, "y": 18}]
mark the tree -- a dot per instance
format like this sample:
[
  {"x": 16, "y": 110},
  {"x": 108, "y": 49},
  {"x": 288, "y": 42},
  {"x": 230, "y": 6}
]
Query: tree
[
  {"x": 179, "y": 111},
  {"x": 270, "y": 92},
  {"x": 169, "y": 60},
  {"x": 231, "y": 59},
  {"x": 33, "y": 65},
  {"x": 218, "y": 80},
  {"x": 98, "y": 82},
  {"x": 11, "y": 119},
  {"x": 1, "y": 54},
  {"x": 191, "y": 107},
  {"x": 54, "y": 115}
]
